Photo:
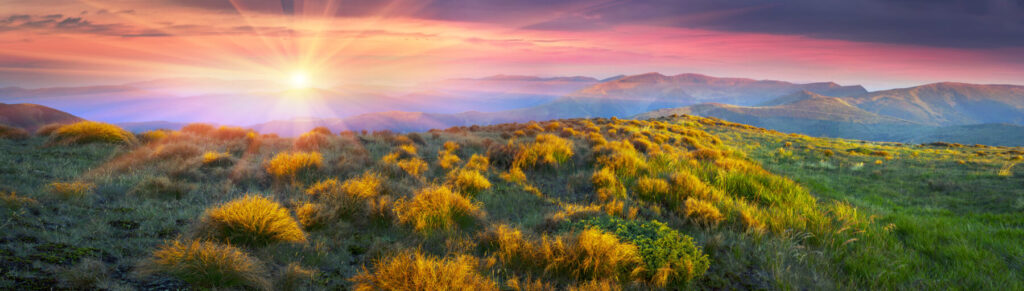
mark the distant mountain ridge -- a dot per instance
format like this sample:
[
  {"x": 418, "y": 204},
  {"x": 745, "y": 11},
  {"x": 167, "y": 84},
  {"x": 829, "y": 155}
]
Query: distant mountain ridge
[{"x": 31, "y": 116}]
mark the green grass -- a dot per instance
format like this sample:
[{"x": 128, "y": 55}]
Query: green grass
[{"x": 791, "y": 216}]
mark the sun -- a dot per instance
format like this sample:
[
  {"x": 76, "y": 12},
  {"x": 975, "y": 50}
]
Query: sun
[{"x": 299, "y": 80}]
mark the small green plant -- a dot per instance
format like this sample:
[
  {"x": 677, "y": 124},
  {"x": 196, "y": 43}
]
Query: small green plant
[{"x": 671, "y": 257}]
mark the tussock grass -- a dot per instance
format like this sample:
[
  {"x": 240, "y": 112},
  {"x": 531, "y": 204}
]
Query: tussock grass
[
  {"x": 547, "y": 149},
  {"x": 71, "y": 190},
  {"x": 412, "y": 270},
  {"x": 468, "y": 182},
  {"x": 215, "y": 159},
  {"x": 293, "y": 165},
  {"x": 703, "y": 213},
  {"x": 438, "y": 208},
  {"x": 208, "y": 264},
  {"x": 312, "y": 141},
  {"x": 12, "y": 201},
  {"x": 252, "y": 220},
  {"x": 91, "y": 132}
]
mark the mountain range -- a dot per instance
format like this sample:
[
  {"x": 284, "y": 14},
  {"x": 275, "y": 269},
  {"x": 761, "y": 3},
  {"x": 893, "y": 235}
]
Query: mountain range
[{"x": 956, "y": 112}]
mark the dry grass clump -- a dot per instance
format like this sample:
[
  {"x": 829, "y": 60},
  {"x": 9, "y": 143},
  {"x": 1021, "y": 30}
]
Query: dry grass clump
[
  {"x": 688, "y": 185},
  {"x": 478, "y": 163},
  {"x": 589, "y": 254},
  {"x": 703, "y": 213},
  {"x": 412, "y": 270},
  {"x": 437, "y": 208},
  {"x": 294, "y": 164},
  {"x": 91, "y": 132},
  {"x": 349, "y": 198},
  {"x": 311, "y": 215},
  {"x": 468, "y": 182},
  {"x": 177, "y": 150},
  {"x": 162, "y": 188},
  {"x": 251, "y": 220},
  {"x": 321, "y": 130},
  {"x": 652, "y": 189},
  {"x": 607, "y": 185},
  {"x": 198, "y": 128},
  {"x": 13, "y": 201},
  {"x": 49, "y": 129},
  {"x": 547, "y": 149},
  {"x": 208, "y": 265},
  {"x": 215, "y": 159},
  {"x": 312, "y": 141},
  {"x": 229, "y": 133},
  {"x": 71, "y": 190},
  {"x": 9, "y": 132},
  {"x": 414, "y": 166},
  {"x": 154, "y": 135},
  {"x": 447, "y": 160},
  {"x": 621, "y": 157}
]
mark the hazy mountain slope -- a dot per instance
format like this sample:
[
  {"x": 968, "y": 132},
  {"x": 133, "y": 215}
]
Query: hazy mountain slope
[
  {"x": 31, "y": 116},
  {"x": 695, "y": 88},
  {"x": 948, "y": 103}
]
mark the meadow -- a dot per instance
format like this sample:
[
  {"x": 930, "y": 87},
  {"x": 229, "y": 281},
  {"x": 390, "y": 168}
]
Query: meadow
[{"x": 679, "y": 202}]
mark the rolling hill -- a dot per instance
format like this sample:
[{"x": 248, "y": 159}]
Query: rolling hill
[
  {"x": 948, "y": 103},
  {"x": 31, "y": 116}
]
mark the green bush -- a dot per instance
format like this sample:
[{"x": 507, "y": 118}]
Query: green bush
[{"x": 671, "y": 257}]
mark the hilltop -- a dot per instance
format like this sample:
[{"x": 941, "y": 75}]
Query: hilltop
[{"x": 31, "y": 117}]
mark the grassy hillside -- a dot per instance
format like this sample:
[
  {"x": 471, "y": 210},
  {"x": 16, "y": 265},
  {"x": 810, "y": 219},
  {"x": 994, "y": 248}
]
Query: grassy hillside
[
  {"x": 31, "y": 117},
  {"x": 671, "y": 203}
]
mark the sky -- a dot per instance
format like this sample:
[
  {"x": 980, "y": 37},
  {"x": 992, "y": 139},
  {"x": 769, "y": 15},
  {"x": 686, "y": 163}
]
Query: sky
[{"x": 880, "y": 44}]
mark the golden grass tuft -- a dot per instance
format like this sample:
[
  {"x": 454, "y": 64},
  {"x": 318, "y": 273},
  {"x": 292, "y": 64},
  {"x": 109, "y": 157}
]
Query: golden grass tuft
[
  {"x": 412, "y": 270},
  {"x": 208, "y": 265},
  {"x": 592, "y": 254},
  {"x": 71, "y": 190},
  {"x": 468, "y": 182},
  {"x": 91, "y": 132},
  {"x": 703, "y": 213},
  {"x": 651, "y": 189},
  {"x": 447, "y": 160},
  {"x": 215, "y": 159},
  {"x": 154, "y": 135},
  {"x": 688, "y": 185},
  {"x": 437, "y": 208},
  {"x": 294, "y": 164},
  {"x": 198, "y": 128},
  {"x": 252, "y": 221},
  {"x": 547, "y": 149},
  {"x": 351, "y": 197},
  {"x": 478, "y": 163},
  {"x": 311, "y": 215},
  {"x": 414, "y": 166},
  {"x": 607, "y": 185}
]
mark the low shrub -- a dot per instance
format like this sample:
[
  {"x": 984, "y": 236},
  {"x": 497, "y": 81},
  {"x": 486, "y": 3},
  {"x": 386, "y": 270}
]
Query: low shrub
[
  {"x": 9, "y": 132},
  {"x": 208, "y": 265},
  {"x": 91, "y": 132},
  {"x": 671, "y": 258},
  {"x": 437, "y": 208},
  {"x": 311, "y": 141},
  {"x": 294, "y": 164},
  {"x": 412, "y": 270},
  {"x": 468, "y": 182},
  {"x": 162, "y": 188},
  {"x": 72, "y": 190},
  {"x": 252, "y": 221}
]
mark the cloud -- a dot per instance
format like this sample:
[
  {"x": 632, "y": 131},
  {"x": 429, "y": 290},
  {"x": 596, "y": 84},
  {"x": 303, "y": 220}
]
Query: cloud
[{"x": 944, "y": 23}]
